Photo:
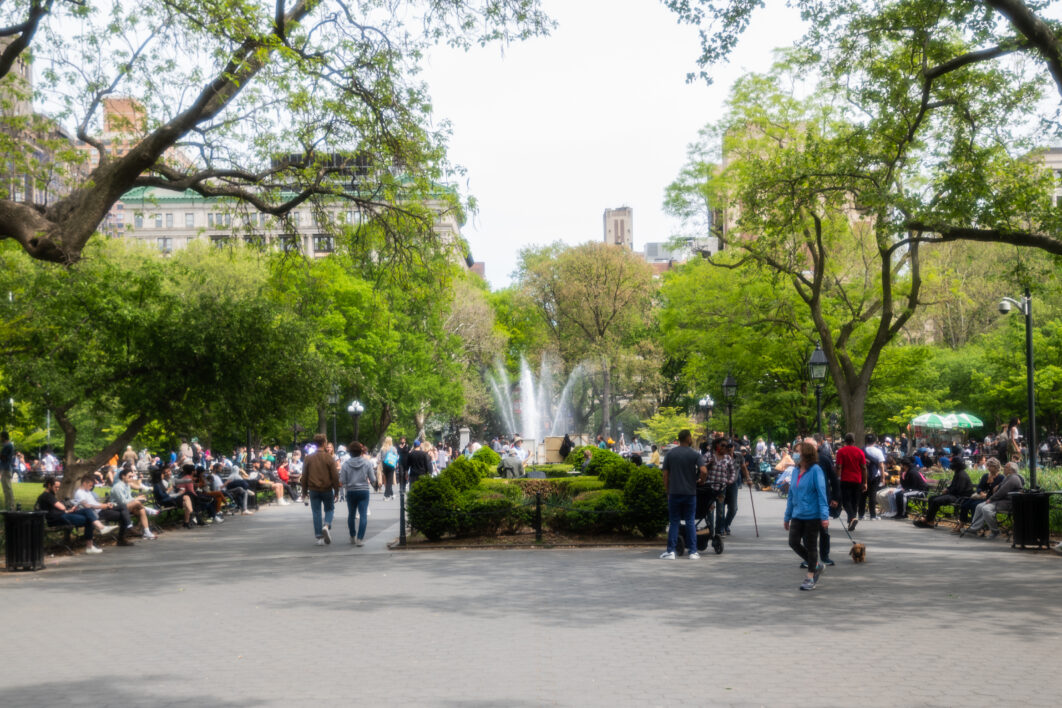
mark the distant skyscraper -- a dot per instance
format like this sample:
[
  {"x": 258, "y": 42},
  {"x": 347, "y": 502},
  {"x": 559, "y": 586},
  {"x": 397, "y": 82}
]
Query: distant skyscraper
[{"x": 619, "y": 227}]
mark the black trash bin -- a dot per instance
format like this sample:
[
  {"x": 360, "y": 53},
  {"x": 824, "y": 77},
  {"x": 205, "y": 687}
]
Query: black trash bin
[
  {"x": 24, "y": 539},
  {"x": 1031, "y": 513}
]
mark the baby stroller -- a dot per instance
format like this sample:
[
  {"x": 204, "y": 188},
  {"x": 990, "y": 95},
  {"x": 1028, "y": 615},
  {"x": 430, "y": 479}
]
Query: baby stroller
[
  {"x": 781, "y": 483},
  {"x": 702, "y": 523}
]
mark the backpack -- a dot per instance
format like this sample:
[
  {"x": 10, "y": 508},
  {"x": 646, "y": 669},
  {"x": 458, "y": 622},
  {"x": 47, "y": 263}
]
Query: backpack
[{"x": 391, "y": 458}]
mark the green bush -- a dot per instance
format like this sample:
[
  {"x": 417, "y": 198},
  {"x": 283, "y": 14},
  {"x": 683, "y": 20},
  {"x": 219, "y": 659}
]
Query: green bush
[
  {"x": 600, "y": 511},
  {"x": 575, "y": 457},
  {"x": 610, "y": 468},
  {"x": 646, "y": 501},
  {"x": 488, "y": 457},
  {"x": 433, "y": 507},
  {"x": 488, "y": 513},
  {"x": 551, "y": 471},
  {"x": 574, "y": 486},
  {"x": 465, "y": 474}
]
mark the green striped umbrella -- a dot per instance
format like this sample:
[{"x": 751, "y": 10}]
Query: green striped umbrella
[
  {"x": 930, "y": 421},
  {"x": 965, "y": 420}
]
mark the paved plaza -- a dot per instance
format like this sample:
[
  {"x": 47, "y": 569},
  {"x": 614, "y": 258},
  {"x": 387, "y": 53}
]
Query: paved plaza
[{"x": 252, "y": 614}]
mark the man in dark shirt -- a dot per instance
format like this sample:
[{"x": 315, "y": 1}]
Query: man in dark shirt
[
  {"x": 960, "y": 488},
  {"x": 7, "y": 464},
  {"x": 403, "y": 462},
  {"x": 419, "y": 463},
  {"x": 57, "y": 514},
  {"x": 680, "y": 480}
]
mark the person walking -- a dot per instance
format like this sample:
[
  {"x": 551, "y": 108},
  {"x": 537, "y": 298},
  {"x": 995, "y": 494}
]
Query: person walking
[
  {"x": 356, "y": 476},
  {"x": 419, "y": 463},
  {"x": 681, "y": 477},
  {"x": 833, "y": 495},
  {"x": 388, "y": 462},
  {"x": 320, "y": 480},
  {"x": 853, "y": 471},
  {"x": 7, "y": 464},
  {"x": 875, "y": 460},
  {"x": 807, "y": 512},
  {"x": 403, "y": 463},
  {"x": 718, "y": 469}
]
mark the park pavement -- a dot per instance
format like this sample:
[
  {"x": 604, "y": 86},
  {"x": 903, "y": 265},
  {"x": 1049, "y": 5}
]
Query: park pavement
[{"x": 250, "y": 613}]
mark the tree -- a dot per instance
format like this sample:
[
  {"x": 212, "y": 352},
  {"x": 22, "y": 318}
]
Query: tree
[
  {"x": 595, "y": 299},
  {"x": 269, "y": 104},
  {"x": 664, "y": 426},
  {"x": 126, "y": 337}
]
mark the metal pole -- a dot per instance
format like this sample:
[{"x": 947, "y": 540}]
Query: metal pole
[
  {"x": 538, "y": 517},
  {"x": 818, "y": 407},
  {"x": 730, "y": 419},
  {"x": 357, "y": 420},
  {"x": 335, "y": 438},
  {"x": 1031, "y": 388},
  {"x": 402, "y": 513}
]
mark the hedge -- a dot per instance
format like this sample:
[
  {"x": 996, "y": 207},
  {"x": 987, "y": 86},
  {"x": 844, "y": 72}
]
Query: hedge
[
  {"x": 488, "y": 457},
  {"x": 433, "y": 507},
  {"x": 600, "y": 511},
  {"x": 646, "y": 501}
]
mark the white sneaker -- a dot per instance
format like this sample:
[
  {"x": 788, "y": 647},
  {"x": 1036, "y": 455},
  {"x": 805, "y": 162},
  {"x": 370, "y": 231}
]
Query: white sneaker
[
  {"x": 353, "y": 541},
  {"x": 695, "y": 556},
  {"x": 93, "y": 549},
  {"x": 219, "y": 518},
  {"x": 327, "y": 534},
  {"x": 668, "y": 555},
  {"x": 108, "y": 529},
  {"x": 148, "y": 535},
  {"x": 359, "y": 542},
  {"x": 319, "y": 542},
  {"x": 151, "y": 511},
  {"x": 284, "y": 502},
  {"x": 1058, "y": 548}
]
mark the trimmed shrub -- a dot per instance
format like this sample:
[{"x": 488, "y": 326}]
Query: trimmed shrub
[
  {"x": 488, "y": 513},
  {"x": 433, "y": 507},
  {"x": 464, "y": 474},
  {"x": 610, "y": 468},
  {"x": 646, "y": 501},
  {"x": 559, "y": 471},
  {"x": 565, "y": 487},
  {"x": 488, "y": 457},
  {"x": 575, "y": 457},
  {"x": 600, "y": 511}
]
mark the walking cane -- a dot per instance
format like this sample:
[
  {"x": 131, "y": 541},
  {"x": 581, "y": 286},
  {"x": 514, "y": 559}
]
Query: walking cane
[{"x": 752, "y": 501}]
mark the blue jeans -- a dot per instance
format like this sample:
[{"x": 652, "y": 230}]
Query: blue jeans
[
  {"x": 357, "y": 501},
  {"x": 316, "y": 500},
  {"x": 681, "y": 507}
]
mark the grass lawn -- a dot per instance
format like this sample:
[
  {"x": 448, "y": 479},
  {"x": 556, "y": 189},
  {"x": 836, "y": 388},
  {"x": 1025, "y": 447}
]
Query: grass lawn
[{"x": 26, "y": 493}]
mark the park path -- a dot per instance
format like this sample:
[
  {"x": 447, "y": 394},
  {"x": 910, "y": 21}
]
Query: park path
[{"x": 252, "y": 614}]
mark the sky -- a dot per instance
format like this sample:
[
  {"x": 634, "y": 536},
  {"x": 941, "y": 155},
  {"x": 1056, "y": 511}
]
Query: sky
[{"x": 597, "y": 115}]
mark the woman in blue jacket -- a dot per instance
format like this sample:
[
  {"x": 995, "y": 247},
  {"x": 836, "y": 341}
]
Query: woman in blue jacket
[{"x": 806, "y": 511}]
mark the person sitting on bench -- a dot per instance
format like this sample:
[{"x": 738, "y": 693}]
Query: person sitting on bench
[
  {"x": 990, "y": 480},
  {"x": 913, "y": 484},
  {"x": 122, "y": 496},
  {"x": 203, "y": 503},
  {"x": 960, "y": 488},
  {"x": 985, "y": 514},
  {"x": 86, "y": 499},
  {"x": 57, "y": 514},
  {"x": 160, "y": 485}
]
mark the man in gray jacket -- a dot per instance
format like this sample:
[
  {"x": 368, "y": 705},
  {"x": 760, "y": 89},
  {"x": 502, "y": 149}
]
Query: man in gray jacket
[{"x": 985, "y": 513}]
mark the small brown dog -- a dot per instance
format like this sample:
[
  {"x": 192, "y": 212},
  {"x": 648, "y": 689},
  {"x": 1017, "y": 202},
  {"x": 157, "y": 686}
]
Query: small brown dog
[{"x": 858, "y": 553}]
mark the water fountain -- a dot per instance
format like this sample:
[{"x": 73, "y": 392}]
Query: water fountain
[{"x": 540, "y": 410}]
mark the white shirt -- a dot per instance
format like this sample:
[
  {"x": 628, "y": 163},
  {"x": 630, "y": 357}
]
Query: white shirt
[{"x": 86, "y": 499}]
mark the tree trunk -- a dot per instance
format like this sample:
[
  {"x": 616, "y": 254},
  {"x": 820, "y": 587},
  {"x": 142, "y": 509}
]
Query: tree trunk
[
  {"x": 606, "y": 398},
  {"x": 383, "y": 424},
  {"x": 853, "y": 403},
  {"x": 420, "y": 418},
  {"x": 322, "y": 422},
  {"x": 74, "y": 472}
]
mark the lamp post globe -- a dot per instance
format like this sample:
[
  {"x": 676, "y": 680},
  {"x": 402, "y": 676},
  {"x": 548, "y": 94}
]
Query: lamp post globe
[
  {"x": 355, "y": 409},
  {"x": 817, "y": 370}
]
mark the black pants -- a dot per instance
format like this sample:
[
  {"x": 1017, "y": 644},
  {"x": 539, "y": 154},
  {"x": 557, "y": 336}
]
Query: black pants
[
  {"x": 824, "y": 543},
  {"x": 389, "y": 480},
  {"x": 850, "y": 494},
  {"x": 870, "y": 498},
  {"x": 120, "y": 516},
  {"x": 934, "y": 504},
  {"x": 804, "y": 539},
  {"x": 966, "y": 509},
  {"x": 731, "y": 505}
]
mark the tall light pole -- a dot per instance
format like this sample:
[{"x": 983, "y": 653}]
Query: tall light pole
[
  {"x": 817, "y": 369},
  {"x": 729, "y": 391},
  {"x": 355, "y": 409},
  {"x": 1025, "y": 307},
  {"x": 333, "y": 401},
  {"x": 706, "y": 404}
]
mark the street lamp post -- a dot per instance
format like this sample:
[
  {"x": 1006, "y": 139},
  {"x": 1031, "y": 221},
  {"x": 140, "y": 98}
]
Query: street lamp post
[
  {"x": 1025, "y": 307},
  {"x": 333, "y": 401},
  {"x": 355, "y": 409},
  {"x": 706, "y": 404},
  {"x": 817, "y": 369},
  {"x": 729, "y": 391}
]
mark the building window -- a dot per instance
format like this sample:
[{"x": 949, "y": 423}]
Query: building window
[
  {"x": 255, "y": 241},
  {"x": 323, "y": 243},
  {"x": 158, "y": 221},
  {"x": 165, "y": 244},
  {"x": 295, "y": 218},
  {"x": 138, "y": 221},
  {"x": 169, "y": 220},
  {"x": 210, "y": 220},
  {"x": 189, "y": 219},
  {"x": 289, "y": 243}
]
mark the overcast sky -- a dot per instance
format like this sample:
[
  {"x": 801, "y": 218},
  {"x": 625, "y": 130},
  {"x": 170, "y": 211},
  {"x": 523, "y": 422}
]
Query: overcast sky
[{"x": 598, "y": 115}]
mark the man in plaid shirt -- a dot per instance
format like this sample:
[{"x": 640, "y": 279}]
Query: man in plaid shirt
[{"x": 721, "y": 471}]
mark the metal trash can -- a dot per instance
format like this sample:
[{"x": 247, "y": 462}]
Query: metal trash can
[
  {"x": 24, "y": 539},
  {"x": 1031, "y": 514}
]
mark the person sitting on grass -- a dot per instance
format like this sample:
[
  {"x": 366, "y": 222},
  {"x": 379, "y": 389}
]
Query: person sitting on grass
[
  {"x": 960, "y": 488},
  {"x": 58, "y": 514},
  {"x": 122, "y": 497},
  {"x": 160, "y": 485}
]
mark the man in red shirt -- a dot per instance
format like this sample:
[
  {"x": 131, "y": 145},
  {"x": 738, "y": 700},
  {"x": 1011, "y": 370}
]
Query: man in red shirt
[{"x": 852, "y": 464}]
